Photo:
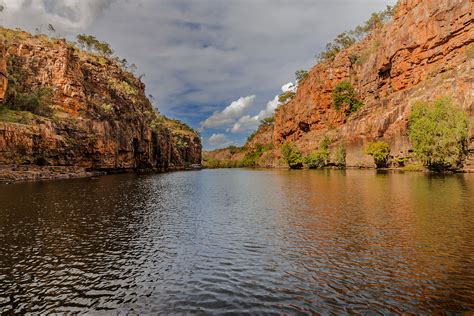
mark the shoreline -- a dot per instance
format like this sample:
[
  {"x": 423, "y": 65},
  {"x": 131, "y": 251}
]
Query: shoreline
[{"x": 10, "y": 174}]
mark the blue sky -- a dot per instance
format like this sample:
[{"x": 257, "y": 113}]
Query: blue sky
[{"x": 216, "y": 65}]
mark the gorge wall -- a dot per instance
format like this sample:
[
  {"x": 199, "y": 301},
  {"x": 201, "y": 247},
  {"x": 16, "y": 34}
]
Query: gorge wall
[
  {"x": 426, "y": 52},
  {"x": 98, "y": 117}
]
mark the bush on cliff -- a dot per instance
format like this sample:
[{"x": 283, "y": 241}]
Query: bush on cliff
[
  {"x": 38, "y": 101},
  {"x": 21, "y": 95},
  {"x": 345, "y": 96},
  {"x": 285, "y": 97},
  {"x": 319, "y": 158},
  {"x": 347, "y": 39},
  {"x": 92, "y": 45},
  {"x": 301, "y": 75},
  {"x": 251, "y": 158},
  {"x": 439, "y": 134},
  {"x": 292, "y": 156},
  {"x": 340, "y": 156},
  {"x": 380, "y": 151}
]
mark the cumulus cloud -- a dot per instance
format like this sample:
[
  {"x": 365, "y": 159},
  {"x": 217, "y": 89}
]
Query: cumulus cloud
[
  {"x": 219, "y": 140},
  {"x": 248, "y": 123},
  {"x": 230, "y": 113}
]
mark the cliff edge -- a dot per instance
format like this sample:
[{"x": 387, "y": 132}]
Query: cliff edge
[
  {"x": 426, "y": 52},
  {"x": 67, "y": 113}
]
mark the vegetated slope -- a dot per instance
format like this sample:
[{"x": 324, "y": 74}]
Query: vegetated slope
[
  {"x": 64, "y": 107},
  {"x": 426, "y": 52}
]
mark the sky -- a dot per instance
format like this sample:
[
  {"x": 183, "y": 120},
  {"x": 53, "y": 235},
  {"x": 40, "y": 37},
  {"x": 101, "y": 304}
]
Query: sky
[{"x": 217, "y": 65}]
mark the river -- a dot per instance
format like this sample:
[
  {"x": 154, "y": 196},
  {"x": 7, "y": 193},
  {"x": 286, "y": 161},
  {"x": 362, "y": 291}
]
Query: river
[{"x": 239, "y": 241}]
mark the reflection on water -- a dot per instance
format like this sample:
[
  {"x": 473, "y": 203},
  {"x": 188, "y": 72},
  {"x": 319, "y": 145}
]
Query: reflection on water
[{"x": 239, "y": 241}]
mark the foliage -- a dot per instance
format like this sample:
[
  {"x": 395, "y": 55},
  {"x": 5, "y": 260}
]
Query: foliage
[
  {"x": 347, "y": 39},
  {"x": 319, "y": 158},
  {"x": 380, "y": 151},
  {"x": 12, "y": 116},
  {"x": 439, "y": 134},
  {"x": 286, "y": 96},
  {"x": 267, "y": 121},
  {"x": 41, "y": 160},
  {"x": 93, "y": 45},
  {"x": 38, "y": 101},
  {"x": 20, "y": 96},
  {"x": 413, "y": 167},
  {"x": 292, "y": 156},
  {"x": 251, "y": 158},
  {"x": 122, "y": 87},
  {"x": 341, "y": 42},
  {"x": 344, "y": 94},
  {"x": 301, "y": 75},
  {"x": 340, "y": 156}
]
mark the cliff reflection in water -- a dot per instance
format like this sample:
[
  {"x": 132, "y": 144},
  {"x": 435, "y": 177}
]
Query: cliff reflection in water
[{"x": 239, "y": 241}]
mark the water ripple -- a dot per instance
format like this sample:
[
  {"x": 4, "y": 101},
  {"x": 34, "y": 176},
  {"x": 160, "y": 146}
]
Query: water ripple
[{"x": 239, "y": 242}]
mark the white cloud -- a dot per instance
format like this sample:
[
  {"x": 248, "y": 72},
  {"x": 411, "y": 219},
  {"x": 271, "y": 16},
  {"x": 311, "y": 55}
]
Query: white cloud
[
  {"x": 229, "y": 114},
  {"x": 248, "y": 123},
  {"x": 219, "y": 140},
  {"x": 290, "y": 86}
]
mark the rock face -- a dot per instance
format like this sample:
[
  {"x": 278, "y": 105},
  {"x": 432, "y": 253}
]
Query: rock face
[
  {"x": 99, "y": 117},
  {"x": 425, "y": 53}
]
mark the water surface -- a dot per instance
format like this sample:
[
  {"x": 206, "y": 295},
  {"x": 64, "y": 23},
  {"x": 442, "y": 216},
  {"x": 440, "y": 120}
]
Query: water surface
[{"x": 239, "y": 241}]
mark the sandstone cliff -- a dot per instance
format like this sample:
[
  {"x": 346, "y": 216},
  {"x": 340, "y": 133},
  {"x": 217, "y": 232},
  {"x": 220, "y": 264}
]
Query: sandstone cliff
[
  {"x": 97, "y": 118},
  {"x": 427, "y": 51}
]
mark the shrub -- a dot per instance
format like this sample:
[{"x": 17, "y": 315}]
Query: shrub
[
  {"x": 21, "y": 95},
  {"x": 380, "y": 151},
  {"x": 301, "y": 75},
  {"x": 319, "y": 158},
  {"x": 41, "y": 160},
  {"x": 38, "y": 101},
  {"x": 91, "y": 44},
  {"x": 439, "y": 134},
  {"x": 344, "y": 95},
  {"x": 122, "y": 87},
  {"x": 292, "y": 156},
  {"x": 286, "y": 96},
  {"x": 267, "y": 121},
  {"x": 251, "y": 158},
  {"x": 347, "y": 39},
  {"x": 340, "y": 156}
]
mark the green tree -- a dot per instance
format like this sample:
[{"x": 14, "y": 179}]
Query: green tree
[
  {"x": 267, "y": 121},
  {"x": 380, "y": 151},
  {"x": 93, "y": 45},
  {"x": 347, "y": 39},
  {"x": 344, "y": 94},
  {"x": 340, "y": 156},
  {"x": 286, "y": 96},
  {"x": 319, "y": 158},
  {"x": 301, "y": 75},
  {"x": 292, "y": 156},
  {"x": 251, "y": 158},
  {"x": 439, "y": 134}
]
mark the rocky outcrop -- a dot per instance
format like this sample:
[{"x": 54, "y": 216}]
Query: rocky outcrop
[
  {"x": 425, "y": 53},
  {"x": 99, "y": 117}
]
